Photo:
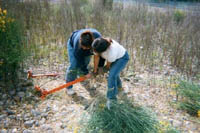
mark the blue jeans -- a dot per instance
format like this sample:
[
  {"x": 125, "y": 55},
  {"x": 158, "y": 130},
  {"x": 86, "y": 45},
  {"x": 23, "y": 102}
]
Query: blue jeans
[
  {"x": 114, "y": 81},
  {"x": 74, "y": 69}
]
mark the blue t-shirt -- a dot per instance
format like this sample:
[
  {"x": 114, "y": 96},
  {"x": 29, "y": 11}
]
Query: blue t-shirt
[{"x": 80, "y": 53}]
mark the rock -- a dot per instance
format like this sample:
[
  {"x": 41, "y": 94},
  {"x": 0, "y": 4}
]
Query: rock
[
  {"x": 27, "y": 131},
  {"x": 37, "y": 124},
  {"x": 5, "y": 96},
  {"x": 46, "y": 127},
  {"x": 6, "y": 123},
  {"x": 48, "y": 109},
  {"x": 14, "y": 130},
  {"x": 50, "y": 131},
  {"x": 28, "y": 94},
  {"x": 28, "y": 124},
  {"x": 17, "y": 98},
  {"x": 177, "y": 123},
  {"x": 12, "y": 92},
  {"x": 35, "y": 113},
  {"x": 10, "y": 112},
  {"x": 19, "y": 117},
  {"x": 12, "y": 116},
  {"x": 63, "y": 126},
  {"x": 3, "y": 116},
  {"x": 42, "y": 121},
  {"x": 26, "y": 117},
  {"x": 21, "y": 94},
  {"x": 45, "y": 115},
  {"x": 55, "y": 108},
  {"x": 1, "y": 103},
  {"x": 3, "y": 131}
]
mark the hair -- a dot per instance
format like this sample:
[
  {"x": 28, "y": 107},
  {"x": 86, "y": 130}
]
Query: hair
[
  {"x": 86, "y": 39},
  {"x": 101, "y": 44}
]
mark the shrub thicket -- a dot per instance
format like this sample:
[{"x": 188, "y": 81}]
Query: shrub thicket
[
  {"x": 189, "y": 100},
  {"x": 12, "y": 49}
]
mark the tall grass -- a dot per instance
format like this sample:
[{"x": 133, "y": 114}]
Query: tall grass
[{"x": 153, "y": 37}]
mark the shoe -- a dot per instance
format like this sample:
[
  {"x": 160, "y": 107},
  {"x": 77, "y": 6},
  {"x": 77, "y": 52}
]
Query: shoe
[
  {"x": 108, "y": 104},
  {"x": 70, "y": 92}
]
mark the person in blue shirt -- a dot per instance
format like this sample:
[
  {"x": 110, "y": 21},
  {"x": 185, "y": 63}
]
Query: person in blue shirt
[{"x": 79, "y": 52}]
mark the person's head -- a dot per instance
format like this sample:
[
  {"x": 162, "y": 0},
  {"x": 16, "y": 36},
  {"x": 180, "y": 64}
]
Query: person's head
[
  {"x": 101, "y": 44},
  {"x": 86, "y": 40}
]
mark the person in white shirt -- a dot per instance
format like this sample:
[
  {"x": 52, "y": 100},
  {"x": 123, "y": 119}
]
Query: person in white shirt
[{"x": 117, "y": 57}]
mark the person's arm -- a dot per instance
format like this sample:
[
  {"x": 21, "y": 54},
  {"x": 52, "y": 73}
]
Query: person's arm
[
  {"x": 108, "y": 65},
  {"x": 79, "y": 55},
  {"x": 96, "y": 63}
]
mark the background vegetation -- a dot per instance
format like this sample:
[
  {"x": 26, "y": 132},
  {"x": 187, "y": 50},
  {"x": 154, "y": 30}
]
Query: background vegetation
[{"x": 153, "y": 38}]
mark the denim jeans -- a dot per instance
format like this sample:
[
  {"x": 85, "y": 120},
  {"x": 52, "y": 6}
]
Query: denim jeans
[
  {"x": 114, "y": 81},
  {"x": 73, "y": 70}
]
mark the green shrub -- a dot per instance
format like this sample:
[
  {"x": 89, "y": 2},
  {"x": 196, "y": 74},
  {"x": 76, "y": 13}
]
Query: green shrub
[
  {"x": 190, "y": 97},
  {"x": 12, "y": 50},
  {"x": 122, "y": 117},
  {"x": 179, "y": 16}
]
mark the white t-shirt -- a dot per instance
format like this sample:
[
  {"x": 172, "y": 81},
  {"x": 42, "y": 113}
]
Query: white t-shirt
[{"x": 113, "y": 52}]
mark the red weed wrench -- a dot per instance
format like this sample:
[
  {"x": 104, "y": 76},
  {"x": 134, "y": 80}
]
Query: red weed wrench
[
  {"x": 30, "y": 75},
  {"x": 47, "y": 92},
  {"x": 44, "y": 92}
]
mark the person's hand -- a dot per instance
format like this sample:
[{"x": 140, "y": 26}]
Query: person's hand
[
  {"x": 94, "y": 74},
  {"x": 105, "y": 69},
  {"x": 88, "y": 75}
]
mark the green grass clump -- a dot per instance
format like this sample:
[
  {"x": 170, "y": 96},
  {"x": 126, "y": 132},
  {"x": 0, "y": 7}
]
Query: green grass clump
[
  {"x": 190, "y": 97},
  {"x": 123, "y": 117}
]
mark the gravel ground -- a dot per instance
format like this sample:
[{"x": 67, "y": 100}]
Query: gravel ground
[{"x": 22, "y": 111}]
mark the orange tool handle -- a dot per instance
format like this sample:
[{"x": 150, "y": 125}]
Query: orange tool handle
[
  {"x": 30, "y": 75},
  {"x": 45, "y": 92}
]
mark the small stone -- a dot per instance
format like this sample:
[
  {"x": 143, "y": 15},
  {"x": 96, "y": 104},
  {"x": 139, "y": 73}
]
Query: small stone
[
  {"x": 5, "y": 96},
  {"x": 35, "y": 113},
  {"x": 29, "y": 123},
  {"x": 42, "y": 121},
  {"x": 12, "y": 92},
  {"x": 177, "y": 123},
  {"x": 37, "y": 124},
  {"x": 45, "y": 115},
  {"x": 3, "y": 131},
  {"x": 46, "y": 127},
  {"x": 12, "y": 116},
  {"x": 1, "y": 103},
  {"x": 28, "y": 94},
  {"x": 63, "y": 126},
  {"x": 27, "y": 131},
  {"x": 6, "y": 124},
  {"x": 48, "y": 109},
  {"x": 2, "y": 117},
  {"x": 50, "y": 131},
  {"x": 26, "y": 117},
  {"x": 10, "y": 112},
  {"x": 14, "y": 131},
  {"x": 55, "y": 108},
  {"x": 17, "y": 98},
  {"x": 21, "y": 94}
]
